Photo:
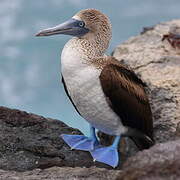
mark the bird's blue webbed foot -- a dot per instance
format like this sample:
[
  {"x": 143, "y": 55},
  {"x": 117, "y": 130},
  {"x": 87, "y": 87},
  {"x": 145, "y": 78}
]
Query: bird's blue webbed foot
[
  {"x": 108, "y": 155},
  {"x": 81, "y": 142}
]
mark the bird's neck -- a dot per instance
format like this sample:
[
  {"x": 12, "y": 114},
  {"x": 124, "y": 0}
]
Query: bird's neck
[
  {"x": 90, "y": 47},
  {"x": 79, "y": 50},
  {"x": 77, "y": 55}
]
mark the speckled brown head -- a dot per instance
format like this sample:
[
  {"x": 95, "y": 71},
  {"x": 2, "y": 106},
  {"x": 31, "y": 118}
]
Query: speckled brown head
[
  {"x": 89, "y": 24},
  {"x": 95, "y": 21},
  {"x": 99, "y": 27}
]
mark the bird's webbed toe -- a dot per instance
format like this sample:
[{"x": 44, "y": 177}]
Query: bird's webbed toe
[
  {"x": 108, "y": 155},
  {"x": 80, "y": 142}
]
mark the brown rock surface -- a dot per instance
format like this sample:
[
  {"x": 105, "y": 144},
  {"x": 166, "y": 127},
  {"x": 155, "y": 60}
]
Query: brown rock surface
[
  {"x": 61, "y": 173},
  {"x": 161, "y": 162}
]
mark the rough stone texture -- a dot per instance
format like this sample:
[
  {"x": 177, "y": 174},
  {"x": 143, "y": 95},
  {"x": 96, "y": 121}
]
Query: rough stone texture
[
  {"x": 158, "y": 64},
  {"x": 160, "y": 162},
  {"x": 31, "y": 142},
  {"x": 61, "y": 173},
  {"x": 28, "y": 141}
]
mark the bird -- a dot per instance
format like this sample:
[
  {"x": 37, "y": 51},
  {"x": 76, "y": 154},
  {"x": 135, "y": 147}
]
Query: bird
[{"x": 106, "y": 93}]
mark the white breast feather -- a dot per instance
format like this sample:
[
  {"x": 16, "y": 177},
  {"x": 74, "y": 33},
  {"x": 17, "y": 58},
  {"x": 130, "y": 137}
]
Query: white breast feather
[{"x": 84, "y": 87}]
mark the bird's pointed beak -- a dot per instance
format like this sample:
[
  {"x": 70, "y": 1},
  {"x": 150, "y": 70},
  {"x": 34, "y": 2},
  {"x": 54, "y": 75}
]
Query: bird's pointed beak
[
  {"x": 59, "y": 29},
  {"x": 69, "y": 27}
]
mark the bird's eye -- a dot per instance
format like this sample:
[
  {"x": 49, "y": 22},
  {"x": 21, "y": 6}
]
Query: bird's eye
[{"x": 81, "y": 24}]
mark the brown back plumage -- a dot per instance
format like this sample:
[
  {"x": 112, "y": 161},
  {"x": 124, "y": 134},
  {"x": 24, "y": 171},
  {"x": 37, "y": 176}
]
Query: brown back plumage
[{"x": 129, "y": 100}]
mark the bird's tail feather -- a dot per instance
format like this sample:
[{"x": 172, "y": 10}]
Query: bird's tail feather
[{"x": 143, "y": 142}]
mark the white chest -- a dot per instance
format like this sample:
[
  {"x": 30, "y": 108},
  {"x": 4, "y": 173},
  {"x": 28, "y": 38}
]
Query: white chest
[{"x": 84, "y": 87}]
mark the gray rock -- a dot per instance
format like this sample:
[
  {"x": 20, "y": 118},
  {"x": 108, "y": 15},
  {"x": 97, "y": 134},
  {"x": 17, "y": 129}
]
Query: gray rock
[
  {"x": 161, "y": 162},
  {"x": 64, "y": 173}
]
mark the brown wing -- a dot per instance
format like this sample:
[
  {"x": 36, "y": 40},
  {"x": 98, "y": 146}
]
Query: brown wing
[{"x": 127, "y": 96}]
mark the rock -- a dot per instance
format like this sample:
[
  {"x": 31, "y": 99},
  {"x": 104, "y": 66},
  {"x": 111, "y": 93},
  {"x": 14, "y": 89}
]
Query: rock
[
  {"x": 61, "y": 173},
  {"x": 161, "y": 162},
  {"x": 158, "y": 65},
  {"x": 28, "y": 141},
  {"x": 31, "y": 142}
]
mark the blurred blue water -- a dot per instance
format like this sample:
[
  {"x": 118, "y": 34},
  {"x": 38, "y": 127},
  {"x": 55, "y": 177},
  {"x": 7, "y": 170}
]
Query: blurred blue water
[{"x": 29, "y": 66}]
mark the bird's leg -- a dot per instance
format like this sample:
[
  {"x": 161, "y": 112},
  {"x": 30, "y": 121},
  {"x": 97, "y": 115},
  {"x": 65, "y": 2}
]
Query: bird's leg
[
  {"x": 93, "y": 135},
  {"x": 82, "y": 142},
  {"x": 108, "y": 155}
]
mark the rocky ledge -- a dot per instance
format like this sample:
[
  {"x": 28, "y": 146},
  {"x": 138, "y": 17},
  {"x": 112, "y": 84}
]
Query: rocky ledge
[{"x": 30, "y": 146}]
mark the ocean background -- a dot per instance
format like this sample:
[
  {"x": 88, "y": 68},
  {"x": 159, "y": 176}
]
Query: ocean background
[{"x": 30, "y": 67}]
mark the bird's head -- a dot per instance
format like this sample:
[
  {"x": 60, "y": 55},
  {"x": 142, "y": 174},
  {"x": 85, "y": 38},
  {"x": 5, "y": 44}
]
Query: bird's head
[{"x": 88, "y": 23}]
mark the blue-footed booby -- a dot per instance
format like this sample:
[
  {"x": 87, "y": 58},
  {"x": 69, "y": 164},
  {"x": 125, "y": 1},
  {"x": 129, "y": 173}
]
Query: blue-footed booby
[{"x": 106, "y": 93}]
